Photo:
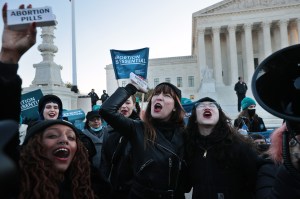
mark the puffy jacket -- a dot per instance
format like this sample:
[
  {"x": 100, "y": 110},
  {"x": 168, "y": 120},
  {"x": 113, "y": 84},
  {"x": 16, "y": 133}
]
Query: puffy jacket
[{"x": 158, "y": 167}]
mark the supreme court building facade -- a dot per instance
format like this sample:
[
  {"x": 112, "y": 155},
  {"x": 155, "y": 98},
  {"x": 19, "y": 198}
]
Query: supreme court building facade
[{"x": 229, "y": 39}]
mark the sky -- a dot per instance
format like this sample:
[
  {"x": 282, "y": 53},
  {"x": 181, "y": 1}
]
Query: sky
[{"x": 165, "y": 26}]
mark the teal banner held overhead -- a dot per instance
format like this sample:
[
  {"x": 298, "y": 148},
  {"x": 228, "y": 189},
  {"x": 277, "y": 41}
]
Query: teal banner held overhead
[{"x": 127, "y": 61}]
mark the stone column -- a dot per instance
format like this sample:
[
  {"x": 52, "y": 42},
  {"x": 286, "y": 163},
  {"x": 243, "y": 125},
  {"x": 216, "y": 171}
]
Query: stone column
[
  {"x": 233, "y": 53},
  {"x": 217, "y": 56},
  {"x": 267, "y": 38},
  {"x": 249, "y": 52},
  {"x": 47, "y": 72},
  {"x": 298, "y": 29},
  {"x": 283, "y": 32},
  {"x": 201, "y": 49},
  {"x": 293, "y": 33}
]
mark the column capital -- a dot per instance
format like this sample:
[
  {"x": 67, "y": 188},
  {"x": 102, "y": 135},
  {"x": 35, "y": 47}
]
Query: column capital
[
  {"x": 201, "y": 30},
  {"x": 216, "y": 29},
  {"x": 248, "y": 26},
  {"x": 266, "y": 23},
  {"x": 232, "y": 27},
  {"x": 283, "y": 22}
]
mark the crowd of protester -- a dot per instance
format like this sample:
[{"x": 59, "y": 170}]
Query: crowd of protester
[{"x": 158, "y": 156}]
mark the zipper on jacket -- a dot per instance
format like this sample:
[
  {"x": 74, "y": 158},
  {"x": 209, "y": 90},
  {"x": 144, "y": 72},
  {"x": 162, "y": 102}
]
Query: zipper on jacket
[
  {"x": 205, "y": 150},
  {"x": 170, "y": 170},
  {"x": 144, "y": 165},
  {"x": 205, "y": 153},
  {"x": 163, "y": 147}
]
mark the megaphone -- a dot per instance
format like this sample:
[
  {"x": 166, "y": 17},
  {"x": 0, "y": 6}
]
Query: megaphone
[{"x": 276, "y": 83}]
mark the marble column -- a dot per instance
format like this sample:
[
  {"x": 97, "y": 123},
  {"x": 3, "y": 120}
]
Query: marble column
[
  {"x": 217, "y": 56},
  {"x": 267, "y": 38},
  {"x": 201, "y": 49},
  {"x": 249, "y": 53},
  {"x": 298, "y": 29},
  {"x": 233, "y": 53},
  {"x": 293, "y": 33},
  {"x": 48, "y": 73},
  {"x": 283, "y": 32}
]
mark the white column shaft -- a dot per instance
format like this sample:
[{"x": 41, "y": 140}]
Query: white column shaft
[
  {"x": 233, "y": 53},
  {"x": 283, "y": 33},
  {"x": 201, "y": 50},
  {"x": 217, "y": 56},
  {"x": 249, "y": 53},
  {"x": 267, "y": 38}
]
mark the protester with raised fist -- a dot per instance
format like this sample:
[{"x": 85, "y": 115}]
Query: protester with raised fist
[{"x": 157, "y": 141}]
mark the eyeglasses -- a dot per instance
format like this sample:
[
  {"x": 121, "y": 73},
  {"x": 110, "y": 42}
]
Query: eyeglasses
[
  {"x": 294, "y": 141},
  {"x": 202, "y": 105}
]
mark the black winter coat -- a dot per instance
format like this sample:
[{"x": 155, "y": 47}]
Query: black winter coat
[
  {"x": 240, "y": 88},
  {"x": 276, "y": 182},
  {"x": 256, "y": 124},
  {"x": 158, "y": 166},
  {"x": 232, "y": 177},
  {"x": 10, "y": 85},
  {"x": 116, "y": 161}
]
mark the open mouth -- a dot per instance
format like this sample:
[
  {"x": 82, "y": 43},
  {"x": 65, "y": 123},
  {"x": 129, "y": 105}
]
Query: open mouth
[
  {"x": 124, "y": 112},
  {"x": 61, "y": 153},
  {"x": 207, "y": 114},
  {"x": 52, "y": 115},
  {"x": 157, "y": 107}
]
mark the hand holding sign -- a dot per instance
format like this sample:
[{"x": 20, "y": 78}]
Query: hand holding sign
[
  {"x": 21, "y": 18},
  {"x": 139, "y": 82},
  {"x": 16, "y": 43}
]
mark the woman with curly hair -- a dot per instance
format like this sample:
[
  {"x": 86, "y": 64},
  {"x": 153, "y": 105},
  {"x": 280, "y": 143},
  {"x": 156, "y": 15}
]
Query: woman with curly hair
[
  {"x": 54, "y": 163},
  {"x": 221, "y": 162}
]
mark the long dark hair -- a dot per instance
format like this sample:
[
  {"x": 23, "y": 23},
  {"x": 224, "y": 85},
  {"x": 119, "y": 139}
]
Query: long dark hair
[
  {"x": 254, "y": 123},
  {"x": 176, "y": 117},
  {"x": 40, "y": 180},
  {"x": 223, "y": 132}
]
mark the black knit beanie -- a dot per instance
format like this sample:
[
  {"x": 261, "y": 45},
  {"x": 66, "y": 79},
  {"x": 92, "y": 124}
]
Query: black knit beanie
[
  {"x": 41, "y": 125},
  {"x": 47, "y": 99},
  {"x": 174, "y": 88}
]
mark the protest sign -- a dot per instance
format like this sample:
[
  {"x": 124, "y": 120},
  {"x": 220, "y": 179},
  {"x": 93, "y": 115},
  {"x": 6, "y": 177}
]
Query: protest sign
[
  {"x": 20, "y": 18},
  {"x": 73, "y": 115},
  {"x": 29, "y": 104},
  {"x": 126, "y": 61}
]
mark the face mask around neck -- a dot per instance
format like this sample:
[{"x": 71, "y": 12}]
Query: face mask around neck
[{"x": 97, "y": 129}]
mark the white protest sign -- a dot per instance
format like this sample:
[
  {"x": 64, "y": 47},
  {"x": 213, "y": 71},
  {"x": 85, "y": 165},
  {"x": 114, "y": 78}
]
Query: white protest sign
[{"x": 20, "y": 18}]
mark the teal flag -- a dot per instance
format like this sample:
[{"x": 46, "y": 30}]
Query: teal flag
[
  {"x": 126, "y": 61},
  {"x": 29, "y": 105}
]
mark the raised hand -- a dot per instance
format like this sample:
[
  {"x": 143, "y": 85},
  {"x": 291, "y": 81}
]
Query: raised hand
[
  {"x": 16, "y": 42},
  {"x": 139, "y": 82}
]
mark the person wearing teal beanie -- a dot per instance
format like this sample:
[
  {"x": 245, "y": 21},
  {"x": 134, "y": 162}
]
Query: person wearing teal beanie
[
  {"x": 246, "y": 102},
  {"x": 248, "y": 118}
]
